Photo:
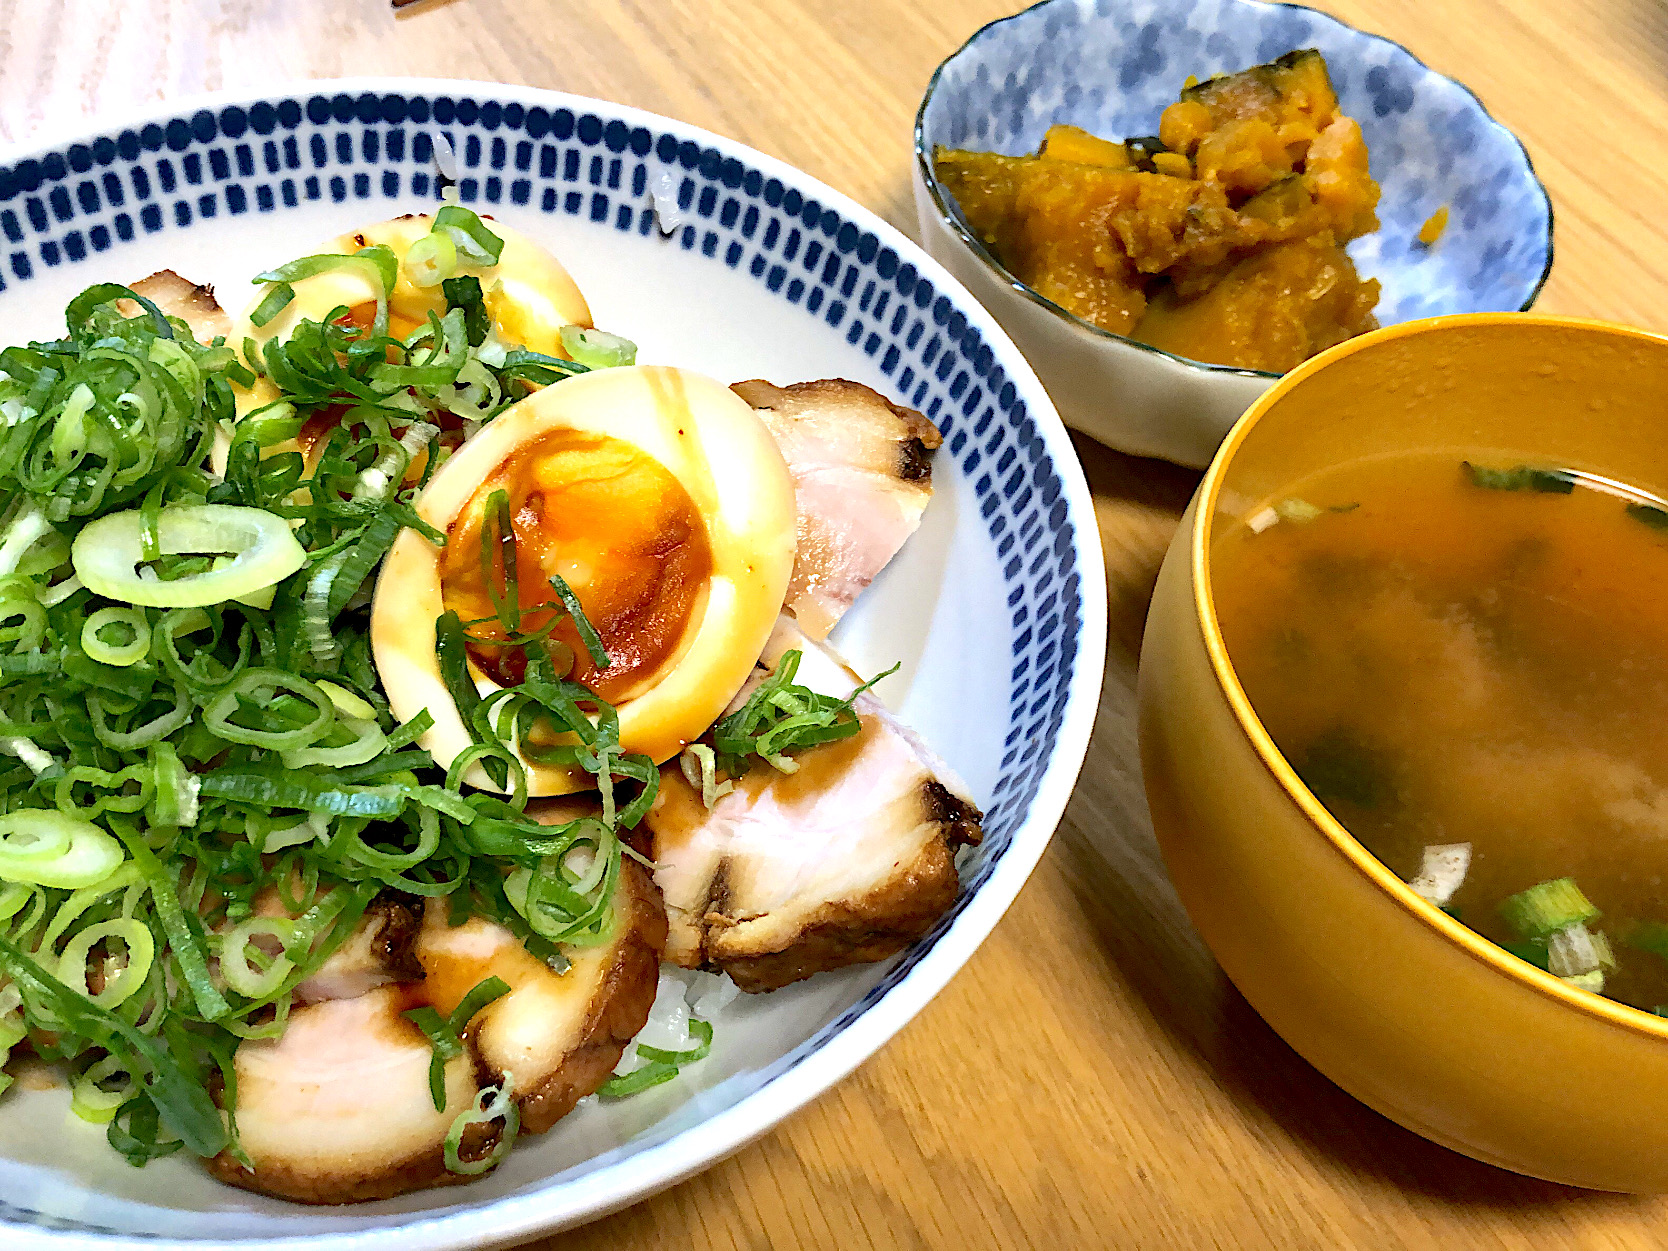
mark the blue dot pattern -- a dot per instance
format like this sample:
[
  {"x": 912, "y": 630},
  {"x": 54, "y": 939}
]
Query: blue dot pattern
[
  {"x": 68, "y": 206},
  {"x": 1111, "y": 67}
]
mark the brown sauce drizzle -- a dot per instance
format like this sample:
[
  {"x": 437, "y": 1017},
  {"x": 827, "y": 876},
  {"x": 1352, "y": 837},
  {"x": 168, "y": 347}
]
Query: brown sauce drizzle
[{"x": 615, "y": 524}]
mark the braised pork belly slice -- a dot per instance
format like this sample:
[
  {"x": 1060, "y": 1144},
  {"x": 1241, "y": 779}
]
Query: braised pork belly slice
[
  {"x": 338, "y": 1109},
  {"x": 557, "y": 1037},
  {"x": 862, "y": 474},
  {"x": 182, "y": 298},
  {"x": 846, "y": 861},
  {"x": 379, "y": 952}
]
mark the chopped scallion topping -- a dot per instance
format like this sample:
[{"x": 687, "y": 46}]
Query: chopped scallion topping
[
  {"x": 781, "y": 717},
  {"x": 190, "y": 719},
  {"x": 1521, "y": 478},
  {"x": 445, "y": 1034},
  {"x": 1545, "y": 908}
]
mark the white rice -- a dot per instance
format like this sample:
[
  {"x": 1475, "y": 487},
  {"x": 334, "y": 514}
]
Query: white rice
[
  {"x": 445, "y": 160},
  {"x": 682, "y": 994},
  {"x": 663, "y": 188}
]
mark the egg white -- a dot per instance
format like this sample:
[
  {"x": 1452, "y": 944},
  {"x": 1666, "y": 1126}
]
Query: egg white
[{"x": 712, "y": 442}]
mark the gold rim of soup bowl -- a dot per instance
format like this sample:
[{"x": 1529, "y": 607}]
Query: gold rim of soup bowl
[{"x": 1412, "y": 1012}]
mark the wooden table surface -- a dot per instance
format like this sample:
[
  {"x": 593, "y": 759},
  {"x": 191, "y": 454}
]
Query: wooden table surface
[{"x": 1090, "y": 1079}]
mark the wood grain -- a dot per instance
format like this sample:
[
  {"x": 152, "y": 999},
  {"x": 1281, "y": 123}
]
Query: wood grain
[{"x": 1090, "y": 1079}]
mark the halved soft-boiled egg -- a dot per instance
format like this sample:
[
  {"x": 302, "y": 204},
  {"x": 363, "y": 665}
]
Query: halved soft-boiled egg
[
  {"x": 528, "y": 295},
  {"x": 659, "y": 496}
]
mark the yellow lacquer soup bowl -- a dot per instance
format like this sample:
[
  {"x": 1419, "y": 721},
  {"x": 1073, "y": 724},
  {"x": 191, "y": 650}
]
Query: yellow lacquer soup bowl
[{"x": 1408, "y": 1010}]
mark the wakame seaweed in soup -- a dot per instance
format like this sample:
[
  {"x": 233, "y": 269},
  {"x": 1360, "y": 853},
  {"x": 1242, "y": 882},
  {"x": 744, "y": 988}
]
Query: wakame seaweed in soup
[{"x": 1466, "y": 660}]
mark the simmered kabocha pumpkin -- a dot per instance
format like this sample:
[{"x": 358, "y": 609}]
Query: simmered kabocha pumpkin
[{"x": 1220, "y": 238}]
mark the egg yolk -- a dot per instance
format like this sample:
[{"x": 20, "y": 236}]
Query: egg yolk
[
  {"x": 399, "y": 325},
  {"x": 616, "y": 526}
]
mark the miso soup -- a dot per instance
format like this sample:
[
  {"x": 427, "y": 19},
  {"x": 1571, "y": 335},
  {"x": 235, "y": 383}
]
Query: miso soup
[{"x": 1467, "y": 662}]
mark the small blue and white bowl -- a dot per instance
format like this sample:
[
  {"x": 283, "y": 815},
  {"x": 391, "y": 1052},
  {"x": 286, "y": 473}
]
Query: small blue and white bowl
[
  {"x": 1111, "y": 67},
  {"x": 995, "y": 608}
]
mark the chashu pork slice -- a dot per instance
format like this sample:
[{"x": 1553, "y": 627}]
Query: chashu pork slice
[
  {"x": 182, "y": 298},
  {"x": 862, "y": 474},
  {"x": 556, "y": 1037},
  {"x": 338, "y": 1109},
  {"x": 379, "y": 951},
  {"x": 846, "y": 861}
]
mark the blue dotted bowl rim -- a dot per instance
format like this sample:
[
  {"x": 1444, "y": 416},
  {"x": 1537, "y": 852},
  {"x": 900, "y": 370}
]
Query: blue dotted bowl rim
[
  {"x": 950, "y": 213},
  {"x": 537, "y": 1209}
]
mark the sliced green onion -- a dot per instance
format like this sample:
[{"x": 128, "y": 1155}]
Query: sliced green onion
[
  {"x": 444, "y": 357},
  {"x": 1297, "y": 511},
  {"x": 377, "y": 262},
  {"x": 490, "y": 1105},
  {"x": 346, "y": 702},
  {"x": 1545, "y": 908},
  {"x": 107, "y": 552},
  {"x": 132, "y": 620},
  {"x": 315, "y": 827},
  {"x": 183, "y": 942},
  {"x": 702, "y": 1033},
  {"x": 45, "y": 847},
  {"x": 175, "y": 801},
  {"x": 367, "y": 743},
  {"x": 13, "y": 896},
  {"x": 781, "y": 717},
  {"x": 638, "y": 1080},
  {"x": 474, "y": 241},
  {"x": 445, "y": 1034},
  {"x": 1442, "y": 872},
  {"x": 420, "y": 724},
  {"x": 276, "y": 300},
  {"x": 22, "y": 534},
  {"x": 479, "y": 996},
  {"x": 152, "y": 731},
  {"x": 700, "y": 770},
  {"x": 259, "y": 687},
  {"x": 587, "y": 632},
  {"x": 69, "y": 432},
  {"x": 69, "y": 912},
  {"x": 502, "y": 583},
  {"x": 304, "y": 791},
  {"x": 92, "y": 1100},
  {"x": 25, "y": 750},
  {"x": 597, "y": 349},
  {"x": 1521, "y": 478},
  {"x": 120, "y": 984},
  {"x": 431, "y": 260},
  {"x": 375, "y": 481},
  {"x": 58, "y": 592},
  {"x": 173, "y": 1094},
  {"x": 447, "y": 1047},
  {"x": 235, "y": 965},
  {"x": 465, "y": 293}
]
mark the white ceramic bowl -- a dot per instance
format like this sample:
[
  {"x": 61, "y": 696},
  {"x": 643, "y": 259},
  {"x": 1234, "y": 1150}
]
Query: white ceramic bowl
[
  {"x": 995, "y": 608},
  {"x": 1111, "y": 66}
]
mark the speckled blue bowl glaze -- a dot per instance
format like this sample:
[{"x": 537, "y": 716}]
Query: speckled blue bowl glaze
[{"x": 1111, "y": 67}]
